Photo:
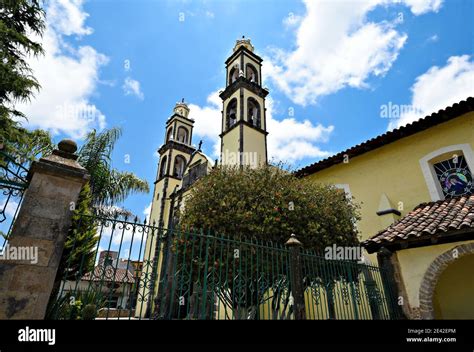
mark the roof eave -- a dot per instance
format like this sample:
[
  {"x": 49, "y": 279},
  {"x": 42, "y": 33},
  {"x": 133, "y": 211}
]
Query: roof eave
[{"x": 444, "y": 115}]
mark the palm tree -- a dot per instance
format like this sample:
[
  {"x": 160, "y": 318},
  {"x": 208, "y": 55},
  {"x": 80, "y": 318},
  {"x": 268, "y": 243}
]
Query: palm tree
[
  {"x": 106, "y": 188},
  {"x": 109, "y": 186}
]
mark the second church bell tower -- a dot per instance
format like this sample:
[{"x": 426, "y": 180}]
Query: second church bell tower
[{"x": 244, "y": 126}]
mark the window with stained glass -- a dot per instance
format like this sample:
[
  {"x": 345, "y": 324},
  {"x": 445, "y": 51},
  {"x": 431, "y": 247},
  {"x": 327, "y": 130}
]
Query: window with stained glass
[{"x": 454, "y": 176}]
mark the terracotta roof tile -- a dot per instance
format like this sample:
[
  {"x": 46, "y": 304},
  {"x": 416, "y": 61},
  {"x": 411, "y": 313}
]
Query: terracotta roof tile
[
  {"x": 427, "y": 220},
  {"x": 449, "y": 113},
  {"x": 109, "y": 274}
]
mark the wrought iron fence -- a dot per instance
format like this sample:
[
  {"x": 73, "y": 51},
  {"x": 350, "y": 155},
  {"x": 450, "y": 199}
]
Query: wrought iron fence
[
  {"x": 205, "y": 276},
  {"x": 108, "y": 275},
  {"x": 13, "y": 183},
  {"x": 339, "y": 289},
  {"x": 140, "y": 271}
]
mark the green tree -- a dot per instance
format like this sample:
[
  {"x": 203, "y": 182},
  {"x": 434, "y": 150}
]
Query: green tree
[
  {"x": 79, "y": 248},
  {"x": 263, "y": 204},
  {"x": 20, "y": 21},
  {"x": 109, "y": 186},
  {"x": 270, "y": 203},
  {"x": 32, "y": 145}
]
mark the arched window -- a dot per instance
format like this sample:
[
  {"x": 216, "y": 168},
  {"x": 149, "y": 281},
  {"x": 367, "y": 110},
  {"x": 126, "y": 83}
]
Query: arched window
[
  {"x": 234, "y": 74},
  {"x": 179, "y": 164},
  {"x": 251, "y": 73},
  {"x": 182, "y": 134},
  {"x": 169, "y": 135},
  {"x": 231, "y": 113},
  {"x": 448, "y": 171},
  {"x": 253, "y": 112},
  {"x": 163, "y": 166}
]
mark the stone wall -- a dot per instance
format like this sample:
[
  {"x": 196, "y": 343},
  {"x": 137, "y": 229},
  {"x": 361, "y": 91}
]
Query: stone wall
[{"x": 42, "y": 224}]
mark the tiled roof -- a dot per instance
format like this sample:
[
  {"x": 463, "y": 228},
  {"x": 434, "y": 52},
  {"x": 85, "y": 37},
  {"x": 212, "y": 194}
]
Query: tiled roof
[
  {"x": 106, "y": 273},
  {"x": 434, "y": 119},
  {"x": 428, "y": 221}
]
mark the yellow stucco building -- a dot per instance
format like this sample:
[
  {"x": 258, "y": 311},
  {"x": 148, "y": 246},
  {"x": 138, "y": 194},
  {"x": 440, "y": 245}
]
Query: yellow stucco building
[{"x": 415, "y": 187}]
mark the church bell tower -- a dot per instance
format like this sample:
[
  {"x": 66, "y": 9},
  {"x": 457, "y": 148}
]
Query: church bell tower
[
  {"x": 244, "y": 126},
  {"x": 174, "y": 156}
]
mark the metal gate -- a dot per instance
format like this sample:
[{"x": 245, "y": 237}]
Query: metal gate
[
  {"x": 141, "y": 271},
  {"x": 13, "y": 182},
  {"x": 109, "y": 275}
]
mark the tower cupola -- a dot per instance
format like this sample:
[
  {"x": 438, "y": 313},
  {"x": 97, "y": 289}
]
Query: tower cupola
[
  {"x": 245, "y": 43},
  {"x": 181, "y": 108}
]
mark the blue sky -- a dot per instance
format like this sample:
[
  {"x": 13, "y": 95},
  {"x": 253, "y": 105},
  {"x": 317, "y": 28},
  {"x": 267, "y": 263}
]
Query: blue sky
[{"x": 330, "y": 66}]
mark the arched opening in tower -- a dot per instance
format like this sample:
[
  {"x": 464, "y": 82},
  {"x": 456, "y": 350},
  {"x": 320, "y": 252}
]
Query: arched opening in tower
[
  {"x": 231, "y": 113},
  {"x": 179, "y": 164},
  {"x": 253, "y": 112},
  {"x": 234, "y": 74},
  {"x": 169, "y": 135},
  {"x": 182, "y": 134},
  {"x": 163, "y": 166},
  {"x": 251, "y": 73}
]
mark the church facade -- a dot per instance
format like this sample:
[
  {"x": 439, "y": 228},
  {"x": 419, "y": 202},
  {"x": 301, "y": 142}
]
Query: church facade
[
  {"x": 243, "y": 134},
  {"x": 243, "y": 142}
]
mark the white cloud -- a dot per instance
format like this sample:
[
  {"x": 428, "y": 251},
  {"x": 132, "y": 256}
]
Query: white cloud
[
  {"x": 208, "y": 120},
  {"x": 438, "y": 88},
  {"x": 289, "y": 140},
  {"x": 122, "y": 234},
  {"x": 434, "y": 38},
  {"x": 336, "y": 47},
  {"x": 147, "y": 212},
  {"x": 10, "y": 209},
  {"x": 291, "y": 20},
  {"x": 132, "y": 87},
  {"x": 67, "y": 17},
  {"x": 419, "y": 7},
  {"x": 68, "y": 75}
]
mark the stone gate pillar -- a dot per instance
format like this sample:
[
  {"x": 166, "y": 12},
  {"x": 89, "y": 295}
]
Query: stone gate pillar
[{"x": 41, "y": 225}]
